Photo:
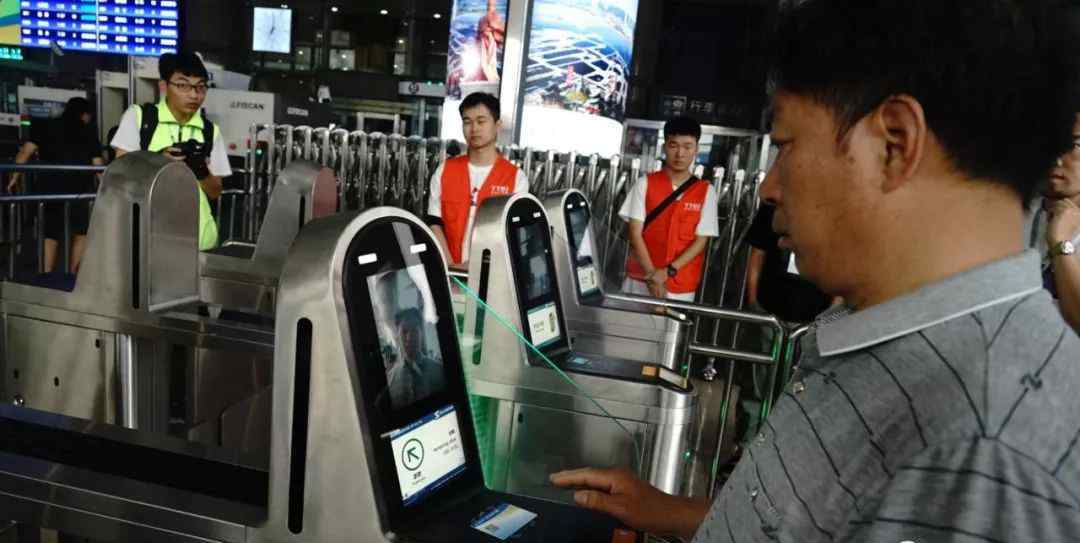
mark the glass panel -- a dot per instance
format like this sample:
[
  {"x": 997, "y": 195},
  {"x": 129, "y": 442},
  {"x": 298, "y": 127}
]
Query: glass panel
[{"x": 489, "y": 431}]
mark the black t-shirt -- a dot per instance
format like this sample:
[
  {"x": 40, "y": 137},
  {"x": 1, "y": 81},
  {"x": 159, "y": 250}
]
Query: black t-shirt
[
  {"x": 786, "y": 295},
  {"x": 761, "y": 236},
  {"x": 59, "y": 144}
]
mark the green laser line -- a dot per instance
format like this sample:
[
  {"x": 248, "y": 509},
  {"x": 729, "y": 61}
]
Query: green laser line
[{"x": 558, "y": 370}]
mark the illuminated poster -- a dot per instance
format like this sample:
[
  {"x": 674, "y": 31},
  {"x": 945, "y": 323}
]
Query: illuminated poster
[
  {"x": 477, "y": 41},
  {"x": 579, "y": 55},
  {"x": 577, "y": 74}
]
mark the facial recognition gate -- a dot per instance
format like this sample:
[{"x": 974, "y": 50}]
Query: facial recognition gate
[
  {"x": 547, "y": 406},
  {"x": 351, "y": 460},
  {"x": 599, "y": 325},
  {"x": 110, "y": 349},
  {"x": 244, "y": 277},
  {"x": 616, "y": 325}
]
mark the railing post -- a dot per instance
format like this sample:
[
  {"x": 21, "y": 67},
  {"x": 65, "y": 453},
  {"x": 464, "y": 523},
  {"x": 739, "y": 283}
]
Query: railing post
[
  {"x": 41, "y": 237},
  {"x": 67, "y": 237}
]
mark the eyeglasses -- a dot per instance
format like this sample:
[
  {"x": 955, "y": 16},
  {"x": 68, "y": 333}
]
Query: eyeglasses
[{"x": 188, "y": 87}]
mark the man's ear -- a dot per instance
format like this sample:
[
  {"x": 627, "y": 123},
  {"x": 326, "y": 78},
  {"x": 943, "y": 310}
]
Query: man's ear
[
  {"x": 900, "y": 122},
  {"x": 162, "y": 88}
]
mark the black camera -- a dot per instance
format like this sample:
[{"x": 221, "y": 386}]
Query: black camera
[{"x": 195, "y": 156}]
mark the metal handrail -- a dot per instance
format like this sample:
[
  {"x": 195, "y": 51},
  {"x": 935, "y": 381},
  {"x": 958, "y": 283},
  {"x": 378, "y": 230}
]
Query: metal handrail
[
  {"x": 703, "y": 310},
  {"x": 31, "y": 198},
  {"x": 51, "y": 168}
]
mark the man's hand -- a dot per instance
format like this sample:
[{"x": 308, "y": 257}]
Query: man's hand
[
  {"x": 634, "y": 502},
  {"x": 13, "y": 183},
  {"x": 212, "y": 185},
  {"x": 1064, "y": 224},
  {"x": 656, "y": 280}
]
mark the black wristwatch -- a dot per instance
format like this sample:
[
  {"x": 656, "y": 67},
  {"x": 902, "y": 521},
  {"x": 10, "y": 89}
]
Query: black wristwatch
[{"x": 672, "y": 271}]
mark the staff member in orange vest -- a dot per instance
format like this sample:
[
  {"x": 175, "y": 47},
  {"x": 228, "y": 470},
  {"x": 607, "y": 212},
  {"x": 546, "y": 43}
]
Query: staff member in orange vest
[
  {"x": 461, "y": 184},
  {"x": 671, "y": 215}
]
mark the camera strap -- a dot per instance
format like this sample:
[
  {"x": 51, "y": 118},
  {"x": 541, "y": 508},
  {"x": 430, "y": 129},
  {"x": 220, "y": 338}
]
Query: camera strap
[{"x": 666, "y": 203}]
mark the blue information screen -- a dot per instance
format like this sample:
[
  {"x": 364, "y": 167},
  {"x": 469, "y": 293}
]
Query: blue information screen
[{"x": 128, "y": 27}]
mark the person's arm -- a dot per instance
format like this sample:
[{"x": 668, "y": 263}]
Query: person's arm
[
  {"x": 98, "y": 161},
  {"x": 212, "y": 185},
  {"x": 655, "y": 278},
  {"x": 691, "y": 252},
  {"x": 635, "y": 232},
  {"x": 634, "y": 502},
  {"x": 753, "y": 275},
  {"x": 22, "y": 157},
  {"x": 1065, "y": 225},
  {"x": 218, "y": 165},
  {"x": 1067, "y": 280},
  {"x": 440, "y": 236},
  {"x": 521, "y": 183},
  {"x": 434, "y": 215},
  {"x": 126, "y": 139}
]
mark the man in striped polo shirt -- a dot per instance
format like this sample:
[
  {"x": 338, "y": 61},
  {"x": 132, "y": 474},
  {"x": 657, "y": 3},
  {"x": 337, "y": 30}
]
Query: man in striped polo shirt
[{"x": 943, "y": 403}]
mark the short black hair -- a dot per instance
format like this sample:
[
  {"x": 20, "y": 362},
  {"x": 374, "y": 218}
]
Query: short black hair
[
  {"x": 485, "y": 99},
  {"x": 408, "y": 317},
  {"x": 994, "y": 77},
  {"x": 682, "y": 126},
  {"x": 184, "y": 63}
]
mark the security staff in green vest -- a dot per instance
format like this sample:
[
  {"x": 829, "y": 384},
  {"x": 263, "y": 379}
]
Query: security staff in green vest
[{"x": 178, "y": 128}]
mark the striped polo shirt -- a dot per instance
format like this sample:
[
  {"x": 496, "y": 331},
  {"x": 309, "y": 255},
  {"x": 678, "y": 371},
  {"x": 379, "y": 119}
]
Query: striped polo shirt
[{"x": 949, "y": 414}]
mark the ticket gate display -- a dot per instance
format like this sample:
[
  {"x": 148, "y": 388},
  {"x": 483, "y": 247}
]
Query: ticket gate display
[
  {"x": 372, "y": 438},
  {"x": 545, "y": 405},
  {"x": 598, "y": 324}
]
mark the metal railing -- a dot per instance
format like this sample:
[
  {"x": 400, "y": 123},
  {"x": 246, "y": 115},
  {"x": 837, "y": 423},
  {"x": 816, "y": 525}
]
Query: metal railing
[{"x": 15, "y": 209}]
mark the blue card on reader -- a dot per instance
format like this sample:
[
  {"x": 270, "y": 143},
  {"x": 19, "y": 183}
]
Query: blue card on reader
[{"x": 503, "y": 520}]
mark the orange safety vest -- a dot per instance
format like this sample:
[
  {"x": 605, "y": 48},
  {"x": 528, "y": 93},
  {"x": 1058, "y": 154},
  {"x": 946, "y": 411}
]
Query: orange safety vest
[
  {"x": 457, "y": 196},
  {"x": 671, "y": 233}
]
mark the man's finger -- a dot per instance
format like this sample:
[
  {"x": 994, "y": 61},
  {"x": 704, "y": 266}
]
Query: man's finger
[
  {"x": 585, "y": 477},
  {"x": 599, "y": 501}
]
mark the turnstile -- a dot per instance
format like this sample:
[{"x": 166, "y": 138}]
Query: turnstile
[
  {"x": 372, "y": 438},
  {"x": 519, "y": 362},
  {"x": 242, "y": 276},
  {"x": 129, "y": 320},
  {"x": 599, "y": 324},
  {"x": 162, "y": 365}
]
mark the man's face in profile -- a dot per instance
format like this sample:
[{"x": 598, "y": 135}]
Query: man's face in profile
[
  {"x": 823, "y": 190},
  {"x": 1065, "y": 177}
]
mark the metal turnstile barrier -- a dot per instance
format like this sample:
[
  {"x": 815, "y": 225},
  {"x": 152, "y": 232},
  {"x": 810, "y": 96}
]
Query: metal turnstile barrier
[
  {"x": 355, "y": 455},
  {"x": 243, "y": 277},
  {"x": 548, "y": 407}
]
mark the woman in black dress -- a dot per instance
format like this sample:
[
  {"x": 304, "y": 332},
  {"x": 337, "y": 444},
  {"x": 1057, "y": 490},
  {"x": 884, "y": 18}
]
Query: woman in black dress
[{"x": 68, "y": 140}]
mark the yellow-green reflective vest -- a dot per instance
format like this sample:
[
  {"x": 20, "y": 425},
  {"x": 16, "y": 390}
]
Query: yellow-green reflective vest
[{"x": 168, "y": 133}]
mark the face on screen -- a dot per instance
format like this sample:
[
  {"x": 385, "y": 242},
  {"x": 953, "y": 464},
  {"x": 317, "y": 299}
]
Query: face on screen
[
  {"x": 531, "y": 250},
  {"x": 578, "y": 222},
  {"x": 405, "y": 321}
]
